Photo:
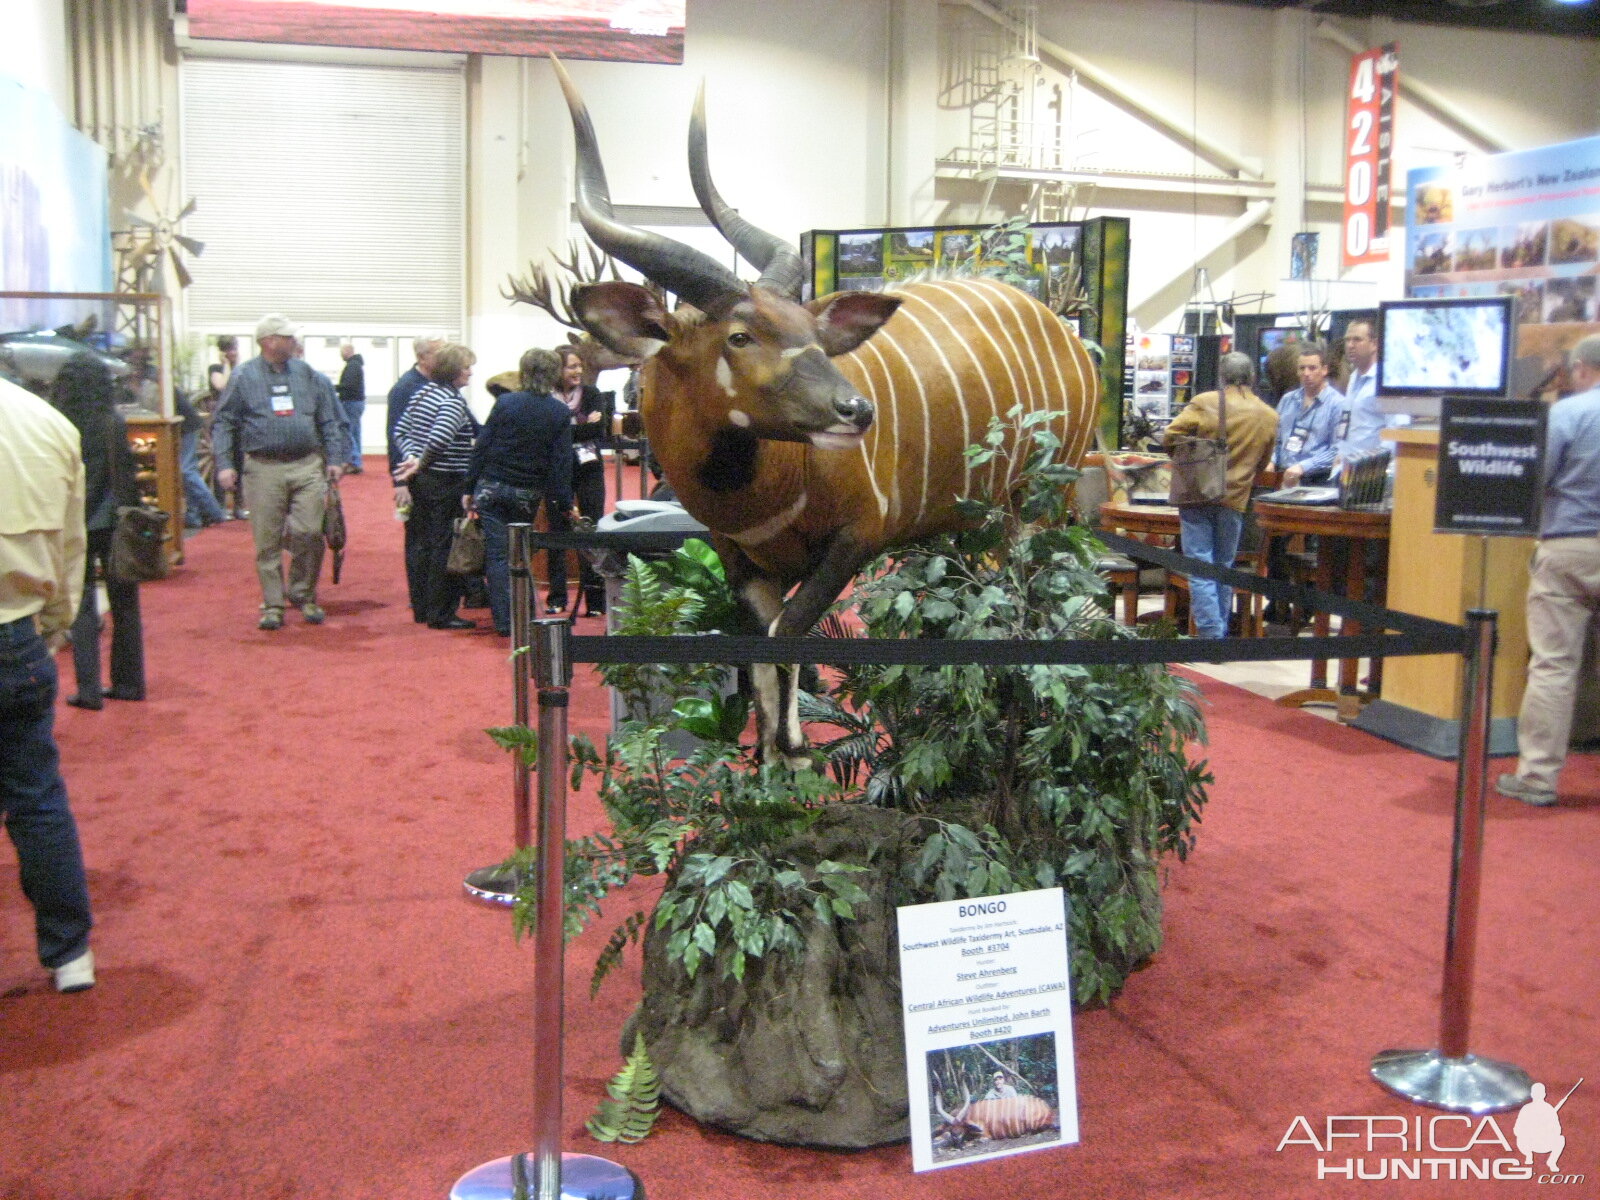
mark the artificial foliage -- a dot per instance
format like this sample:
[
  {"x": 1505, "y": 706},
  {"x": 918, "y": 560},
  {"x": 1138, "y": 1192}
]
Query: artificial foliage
[
  {"x": 1010, "y": 778},
  {"x": 708, "y": 822},
  {"x": 633, "y": 1100},
  {"x": 1028, "y": 776}
]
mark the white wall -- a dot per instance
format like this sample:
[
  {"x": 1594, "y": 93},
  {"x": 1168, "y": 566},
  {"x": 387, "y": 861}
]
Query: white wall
[
  {"x": 797, "y": 100},
  {"x": 36, "y": 35}
]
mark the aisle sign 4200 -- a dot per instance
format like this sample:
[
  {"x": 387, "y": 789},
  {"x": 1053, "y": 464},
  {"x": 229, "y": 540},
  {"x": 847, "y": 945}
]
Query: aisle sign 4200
[{"x": 1369, "y": 141}]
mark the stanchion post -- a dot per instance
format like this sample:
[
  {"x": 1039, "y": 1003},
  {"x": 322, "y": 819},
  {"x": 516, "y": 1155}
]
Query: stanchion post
[
  {"x": 1449, "y": 1077},
  {"x": 552, "y": 671},
  {"x": 1466, "y": 858},
  {"x": 554, "y": 1175},
  {"x": 497, "y": 884},
  {"x": 521, "y": 614}
]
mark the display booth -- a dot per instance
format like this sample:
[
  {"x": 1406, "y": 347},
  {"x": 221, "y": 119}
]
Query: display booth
[{"x": 1505, "y": 238}]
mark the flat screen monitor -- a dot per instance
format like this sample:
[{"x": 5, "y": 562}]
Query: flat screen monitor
[
  {"x": 1430, "y": 347},
  {"x": 1256, "y": 335}
]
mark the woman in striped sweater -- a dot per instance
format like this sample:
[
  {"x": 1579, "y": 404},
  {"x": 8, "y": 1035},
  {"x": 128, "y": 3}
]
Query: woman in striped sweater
[{"x": 435, "y": 438}]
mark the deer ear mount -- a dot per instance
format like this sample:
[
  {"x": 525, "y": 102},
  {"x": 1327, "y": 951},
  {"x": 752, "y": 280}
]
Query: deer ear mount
[
  {"x": 624, "y": 317},
  {"x": 846, "y": 319}
]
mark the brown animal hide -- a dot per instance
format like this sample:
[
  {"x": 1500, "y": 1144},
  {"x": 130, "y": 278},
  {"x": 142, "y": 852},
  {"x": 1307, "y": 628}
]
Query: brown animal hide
[{"x": 996, "y": 1120}]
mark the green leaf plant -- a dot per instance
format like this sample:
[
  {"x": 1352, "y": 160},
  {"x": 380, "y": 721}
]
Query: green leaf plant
[{"x": 1012, "y": 778}]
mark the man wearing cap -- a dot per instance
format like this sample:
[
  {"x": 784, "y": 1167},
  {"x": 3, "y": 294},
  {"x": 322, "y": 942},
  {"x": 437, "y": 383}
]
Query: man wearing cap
[
  {"x": 1563, "y": 584},
  {"x": 287, "y": 422}
]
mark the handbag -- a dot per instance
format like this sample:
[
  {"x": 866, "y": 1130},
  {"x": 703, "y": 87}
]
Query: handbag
[
  {"x": 466, "y": 547},
  {"x": 334, "y": 530},
  {"x": 1200, "y": 465},
  {"x": 139, "y": 544}
]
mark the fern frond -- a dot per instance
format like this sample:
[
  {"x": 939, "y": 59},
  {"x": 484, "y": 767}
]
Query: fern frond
[
  {"x": 634, "y": 1100},
  {"x": 609, "y": 957}
]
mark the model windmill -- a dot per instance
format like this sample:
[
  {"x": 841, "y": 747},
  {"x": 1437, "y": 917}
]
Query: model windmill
[{"x": 155, "y": 250}]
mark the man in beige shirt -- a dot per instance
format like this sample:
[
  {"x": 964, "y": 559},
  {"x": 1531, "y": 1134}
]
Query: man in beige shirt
[
  {"x": 41, "y": 581},
  {"x": 1211, "y": 532}
]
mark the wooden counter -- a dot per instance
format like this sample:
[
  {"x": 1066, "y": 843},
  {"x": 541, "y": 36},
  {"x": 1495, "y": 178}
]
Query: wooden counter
[
  {"x": 1357, "y": 528},
  {"x": 1439, "y": 575}
]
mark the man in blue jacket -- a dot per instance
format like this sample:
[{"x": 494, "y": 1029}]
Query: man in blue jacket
[{"x": 1311, "y": 422}]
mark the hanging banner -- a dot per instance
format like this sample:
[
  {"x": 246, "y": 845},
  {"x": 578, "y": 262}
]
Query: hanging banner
[{"x": 1369, "y": 141}]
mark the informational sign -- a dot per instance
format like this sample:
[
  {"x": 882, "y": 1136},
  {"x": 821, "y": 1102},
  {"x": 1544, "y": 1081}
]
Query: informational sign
[
  {"x": 1491, "y": 466},
  {"x": 1369, "y": 141},
  {"x": 988, "y": 1026}
]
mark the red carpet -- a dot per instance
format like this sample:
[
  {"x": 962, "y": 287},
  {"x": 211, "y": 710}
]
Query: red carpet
[{"x": 295, "y": 1002}]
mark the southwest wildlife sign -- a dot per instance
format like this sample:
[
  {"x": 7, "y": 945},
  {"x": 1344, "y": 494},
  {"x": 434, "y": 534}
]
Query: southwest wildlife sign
[
  {"x": 988, "y": 1027},
  {"x": 1491, "y": 467}
]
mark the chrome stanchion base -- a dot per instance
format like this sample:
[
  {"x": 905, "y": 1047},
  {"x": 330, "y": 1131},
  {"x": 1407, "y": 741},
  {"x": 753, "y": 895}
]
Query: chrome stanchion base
[
  {"x": 494, "y": 885},
  {"x": 583, "y": 1177},
  {"x": 1469, "y": 1085}
]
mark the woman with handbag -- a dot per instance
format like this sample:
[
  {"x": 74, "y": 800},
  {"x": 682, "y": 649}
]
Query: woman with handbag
[
  {"x": 85, "y": 392},
  {"x": 1218, "y": 444},
  {"x": 591, "y": 425},
  {"x": 435, "y": 439},
  {"x": 522, "y": 458}
]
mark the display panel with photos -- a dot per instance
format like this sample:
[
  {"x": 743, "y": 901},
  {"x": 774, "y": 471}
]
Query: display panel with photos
[
  {"x": 649, "y": 31},
  {"x": 1523, "y": 225},
  {"x": 868, "y": 259}
]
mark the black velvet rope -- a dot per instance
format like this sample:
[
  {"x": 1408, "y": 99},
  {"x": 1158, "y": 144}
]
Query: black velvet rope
[
  {"x": 1418, "y": 635},
  {"x": 623, "y": 543},
  {"x": 1371, "y": 616}
]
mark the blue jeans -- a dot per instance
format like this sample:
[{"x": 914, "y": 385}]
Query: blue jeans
[
  {"x": 500, "y": 505},
  {"x": 1210, "y": 533},
  {"x": 352, "y": 417},
  {"x": 203, "y": 508},
  {"x": 33, "y": 796},
  {"x": 127, "y": 632}
]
